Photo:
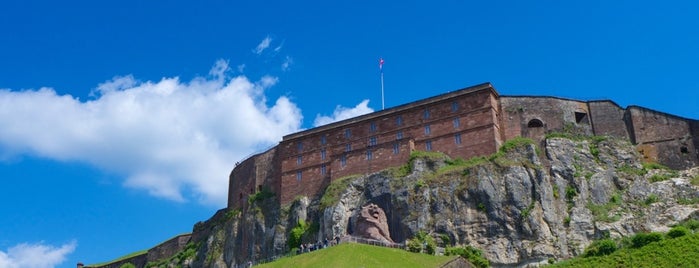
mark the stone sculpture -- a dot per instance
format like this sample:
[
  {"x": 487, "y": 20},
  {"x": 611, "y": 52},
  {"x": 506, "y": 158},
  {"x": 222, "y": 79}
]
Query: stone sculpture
[{"x": 372, "y": 224}]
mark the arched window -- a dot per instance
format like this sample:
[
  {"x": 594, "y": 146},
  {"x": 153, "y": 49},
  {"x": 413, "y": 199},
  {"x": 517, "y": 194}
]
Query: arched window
[{"x": 535, "y": 123}]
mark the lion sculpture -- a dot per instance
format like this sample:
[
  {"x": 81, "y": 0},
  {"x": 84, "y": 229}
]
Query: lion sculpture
[{"x": 372, "y": 224}]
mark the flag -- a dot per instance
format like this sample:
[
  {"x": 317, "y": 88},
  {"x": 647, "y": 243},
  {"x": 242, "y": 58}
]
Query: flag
[{"x": 381, "y": 64}]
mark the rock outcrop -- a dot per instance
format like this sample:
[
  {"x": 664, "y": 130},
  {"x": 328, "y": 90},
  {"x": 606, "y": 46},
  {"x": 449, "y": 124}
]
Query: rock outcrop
[{"x": 521, "y": 206}]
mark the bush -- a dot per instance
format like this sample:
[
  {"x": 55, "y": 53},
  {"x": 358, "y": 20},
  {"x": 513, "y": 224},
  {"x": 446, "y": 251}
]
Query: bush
[
  {"x": 297, "y": 233},
  {"x": 473, "y": 255},
  {"x": 127, "y": 265},
  {"x": 678, "y": 231},
  {"x": 642, "y": 239},
  {"x": 600, "y": 248},
  {"x": 414, "y": 245}
]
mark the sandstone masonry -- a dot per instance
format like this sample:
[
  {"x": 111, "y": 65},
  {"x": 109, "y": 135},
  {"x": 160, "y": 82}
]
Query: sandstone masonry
[{"x": 469, "y": 122}]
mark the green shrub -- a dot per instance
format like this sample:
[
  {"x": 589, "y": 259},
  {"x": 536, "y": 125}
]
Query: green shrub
[
  {"x": 653, "y": 165},
  {"x": 297, "y": 233},
  {"x": 571, "y": 193},
  {"x": 642, "y": 239},
  {"x": 261, "y": 195},
  {"x": 678, "y": 231},
  {"x": 652, "y": 198},
  {"x": 127, "y": 265},
  {"x": 691, "y": 224},
  {"x": 414, "y": 245},
  {"x": 695, "y": 180},
  {"x": 445, "y": 239},
  {"x": 600, "y": 248},
  {"x": 632, "y": 170},
  {"x": 473, "y": 255},
  {"x": 334, "y": 190}
]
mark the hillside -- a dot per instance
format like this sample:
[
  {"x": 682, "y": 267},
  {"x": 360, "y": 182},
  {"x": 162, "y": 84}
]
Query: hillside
[
  {"x": 359, "y": 255},
  {"x": 529, "y": 203}
]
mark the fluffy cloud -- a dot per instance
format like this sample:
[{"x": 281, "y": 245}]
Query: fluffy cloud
[
  {"x": 342, "y": 113},
  {"x": 35, "y": 255},
  {"x": 264, "y": 44},
  {"x": 162, "y": 136}
]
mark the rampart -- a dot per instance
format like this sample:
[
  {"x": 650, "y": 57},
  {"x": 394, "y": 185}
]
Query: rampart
[
  {"x": 162, "y": 251},
  {"x": 469, "y": 122}
]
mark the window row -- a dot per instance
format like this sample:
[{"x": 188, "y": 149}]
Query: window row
[{"x": 399, "y": 122}]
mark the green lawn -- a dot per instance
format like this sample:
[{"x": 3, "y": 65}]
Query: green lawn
[{"x": 360, "y": 255}]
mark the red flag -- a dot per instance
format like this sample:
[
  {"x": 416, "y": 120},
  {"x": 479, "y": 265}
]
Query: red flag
[{"x": 381, "y": 64}]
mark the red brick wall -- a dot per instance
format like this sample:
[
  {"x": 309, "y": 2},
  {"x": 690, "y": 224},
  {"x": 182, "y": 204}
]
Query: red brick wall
[{"x": 476, "y": 116}]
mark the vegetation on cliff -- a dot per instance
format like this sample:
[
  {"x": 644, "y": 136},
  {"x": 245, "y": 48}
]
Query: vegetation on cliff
[{"x": 679, "y": 247}]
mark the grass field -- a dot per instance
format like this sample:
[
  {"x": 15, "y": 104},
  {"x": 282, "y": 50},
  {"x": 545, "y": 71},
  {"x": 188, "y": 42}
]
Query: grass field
[{"x": 359, "y": 255}]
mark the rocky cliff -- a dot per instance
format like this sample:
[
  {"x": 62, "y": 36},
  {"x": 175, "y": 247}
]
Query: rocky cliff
[{"x": 526, "y": 204}]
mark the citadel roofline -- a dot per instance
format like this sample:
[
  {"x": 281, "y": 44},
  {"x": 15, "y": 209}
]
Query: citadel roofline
[
  {"x": 396, "y": 109},
  {"x": 661, "y": 113}
]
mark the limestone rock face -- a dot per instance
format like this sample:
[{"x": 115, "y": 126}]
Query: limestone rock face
[
  {"x": 372, "y": 224},
  {"x": 523, "y": 207}
]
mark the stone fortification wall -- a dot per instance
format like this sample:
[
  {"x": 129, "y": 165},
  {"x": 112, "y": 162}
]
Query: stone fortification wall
[
  {"x": 465, "y": 123},
  {"x": 162, "y": 251},
  {"x": 662, "y": 137},
  {"x": 533, "y": 117},
  {"x": 251, "y": 175},
  {"x": 608, "y": 119}
]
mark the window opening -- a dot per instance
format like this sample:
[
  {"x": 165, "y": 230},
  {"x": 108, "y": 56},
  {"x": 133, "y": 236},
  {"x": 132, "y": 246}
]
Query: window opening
[
  {"x": 322, "y": 169},
  {"x": 372, "y": 141},
  {"x": 426, "y": 114},
  {"x": 299, "y": 160},
  {"x": 298, "y": 176},
  {"x": 322, "y": 154},
  {"x": 580, "y": 117},
  {"x": 399, "y": 135},
  {"x": 399, "y": 120},
  {"x": 323, "y": 140},
  {"x": 454, "y": 106},
  {"x": 428, "y": 130},
  {"x": 372, "y": 127},
  {"x": 396, "y": 148},
  {"x": 535, "y": 123},
  {"x": 343, "y": 160},
  {"x": 369, "y": 155},
  {"x": 457, "y": 123},
  {"x": 428, "y": 145},
  {"x": 348, "y": 133},
  {"x": 348, "y": 147},
  {"x": 457, "y": 138}
]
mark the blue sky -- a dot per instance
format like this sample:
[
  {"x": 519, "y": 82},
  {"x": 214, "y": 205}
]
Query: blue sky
[{"x": 120, "y": 120}]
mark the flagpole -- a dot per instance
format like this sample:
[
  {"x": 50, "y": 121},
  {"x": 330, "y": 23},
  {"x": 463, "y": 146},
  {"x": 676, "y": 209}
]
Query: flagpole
[
  {"x": 382, "y": 100},
  {"x": 381, "y": 69}
]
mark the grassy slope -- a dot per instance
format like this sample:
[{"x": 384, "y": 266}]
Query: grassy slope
[
  {"x": 359, "y": 255},
  {"x": 678, "y": 252}
]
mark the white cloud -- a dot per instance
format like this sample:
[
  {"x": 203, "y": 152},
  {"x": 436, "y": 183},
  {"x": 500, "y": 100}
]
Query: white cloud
[
  {"x": 162, "y": 136},
  {"x": 35, "y": 255},
  {"x": 264, "y": 44},
  {"x": 241, "y": 68},
  {"x": 279, "y": 47},
  {"x": 342, "y": 113},
  {"x": 287, "y": 63}
]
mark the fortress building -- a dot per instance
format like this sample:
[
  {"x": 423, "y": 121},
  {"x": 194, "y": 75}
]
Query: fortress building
[{"x": 469, "y": 122}]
